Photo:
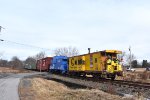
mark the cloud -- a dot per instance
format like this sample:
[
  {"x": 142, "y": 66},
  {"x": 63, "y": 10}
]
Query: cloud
[{"x": 99, "y": 24}]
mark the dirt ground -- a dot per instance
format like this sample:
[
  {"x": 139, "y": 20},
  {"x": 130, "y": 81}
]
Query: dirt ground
[
  {"x": 42, "y": 89},
  {"x": 12, "y": 70}
]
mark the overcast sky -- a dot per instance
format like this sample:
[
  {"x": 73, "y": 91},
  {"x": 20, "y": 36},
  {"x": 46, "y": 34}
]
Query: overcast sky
[{"x": 98, "y": 24}]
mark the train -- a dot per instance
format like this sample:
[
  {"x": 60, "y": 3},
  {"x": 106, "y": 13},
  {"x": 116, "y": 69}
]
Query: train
[
  {"x": 43, "y": 64},
  {"x": 59, "y": 64},
  {"x": 94, "y": 64},
  {"x": 40, "y": 65}
]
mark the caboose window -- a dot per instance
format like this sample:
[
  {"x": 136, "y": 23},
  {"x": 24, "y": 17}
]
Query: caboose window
[
  {"x": 83, "y": 62},
  {"x": 64, "y": 59},
  {"x": 80, "y": 62},
  {"x": 95, "y": 60},
  {"x": 75, "y": 62}
]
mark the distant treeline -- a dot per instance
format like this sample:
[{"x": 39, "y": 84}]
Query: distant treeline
[
  {"x": 136, "y": 64},
  {"x": 15, "y": 62}
]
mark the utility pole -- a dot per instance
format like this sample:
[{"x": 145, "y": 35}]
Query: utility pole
[
  {"x": 0, "y": 32},
  {"x": 130, "y": 56},
  {"x": 89, "y": 49},
  {"x": 40, "y": 64}
]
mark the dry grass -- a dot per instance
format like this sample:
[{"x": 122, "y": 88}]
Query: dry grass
[
  {"x": 42, "y": 89},
  {"x": 143, "y": 76},
  {"x": 140, "y": 69},
  {"x": 12, "y": 70}
]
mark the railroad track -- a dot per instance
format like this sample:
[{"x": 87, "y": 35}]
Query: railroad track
[
  {"x": 132, "y": 84},
  {"x": 138, "y": 85},
  {"x": 123, "y": 83},
  {"x": 116, "y": 87}
]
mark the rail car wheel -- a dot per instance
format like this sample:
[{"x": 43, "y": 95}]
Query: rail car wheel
[
  {"x": 84, "y": 75},
  {"x": 113, "y": 77},
  {"x": 78, "y": 74},
  {"x": 97, "y": 76}
]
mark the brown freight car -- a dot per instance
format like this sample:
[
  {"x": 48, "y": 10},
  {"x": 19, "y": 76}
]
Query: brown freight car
[{"x": 43, "y": 64}]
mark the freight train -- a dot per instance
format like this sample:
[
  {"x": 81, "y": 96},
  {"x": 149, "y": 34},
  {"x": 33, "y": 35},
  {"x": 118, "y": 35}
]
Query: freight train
[
  {"x": 40, "y": 65},
  {"x": 94, "y": 64},
  {"x": 43, "y": 64}
]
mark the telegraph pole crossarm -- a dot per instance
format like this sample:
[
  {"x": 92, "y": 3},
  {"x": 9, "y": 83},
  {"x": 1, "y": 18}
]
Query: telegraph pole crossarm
[{"x": 130, "y": 56}]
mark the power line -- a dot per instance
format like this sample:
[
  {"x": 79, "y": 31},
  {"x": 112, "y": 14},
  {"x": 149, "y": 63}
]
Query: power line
[{"x": 27, "y": 45}]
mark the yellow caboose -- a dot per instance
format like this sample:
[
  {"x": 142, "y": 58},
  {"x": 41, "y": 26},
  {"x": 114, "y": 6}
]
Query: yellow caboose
[{"x": 96, "y": 64}]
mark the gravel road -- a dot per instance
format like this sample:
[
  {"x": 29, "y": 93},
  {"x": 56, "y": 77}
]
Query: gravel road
[{"x": 9, "y": 85}]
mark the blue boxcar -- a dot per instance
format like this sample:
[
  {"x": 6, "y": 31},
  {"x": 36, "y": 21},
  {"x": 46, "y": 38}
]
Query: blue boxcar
[{"x": 59, "y": 64}]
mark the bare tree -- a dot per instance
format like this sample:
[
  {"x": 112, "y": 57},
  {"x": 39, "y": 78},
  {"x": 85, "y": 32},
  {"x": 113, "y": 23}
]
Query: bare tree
[
  {"x": 3, "y": 63},
  {"x": 1, "y": 28},
  {"x": 121, "y": 56},
  {"x": 66, "y": 51},
  {"x": 127, "y": 57},
  {"x": 144, "y": 64},
  {"x": 16, "y": 62},
  {"x": 1, "y": 54},
  {"x": 40, "y": 55},
  {"x": 134, "y": 64},
  {"x": 30, "y": 62}
]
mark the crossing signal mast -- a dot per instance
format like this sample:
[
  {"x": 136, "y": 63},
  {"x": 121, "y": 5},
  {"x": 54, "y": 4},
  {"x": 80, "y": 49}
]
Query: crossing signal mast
[{"x": 130, "y": 56}]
